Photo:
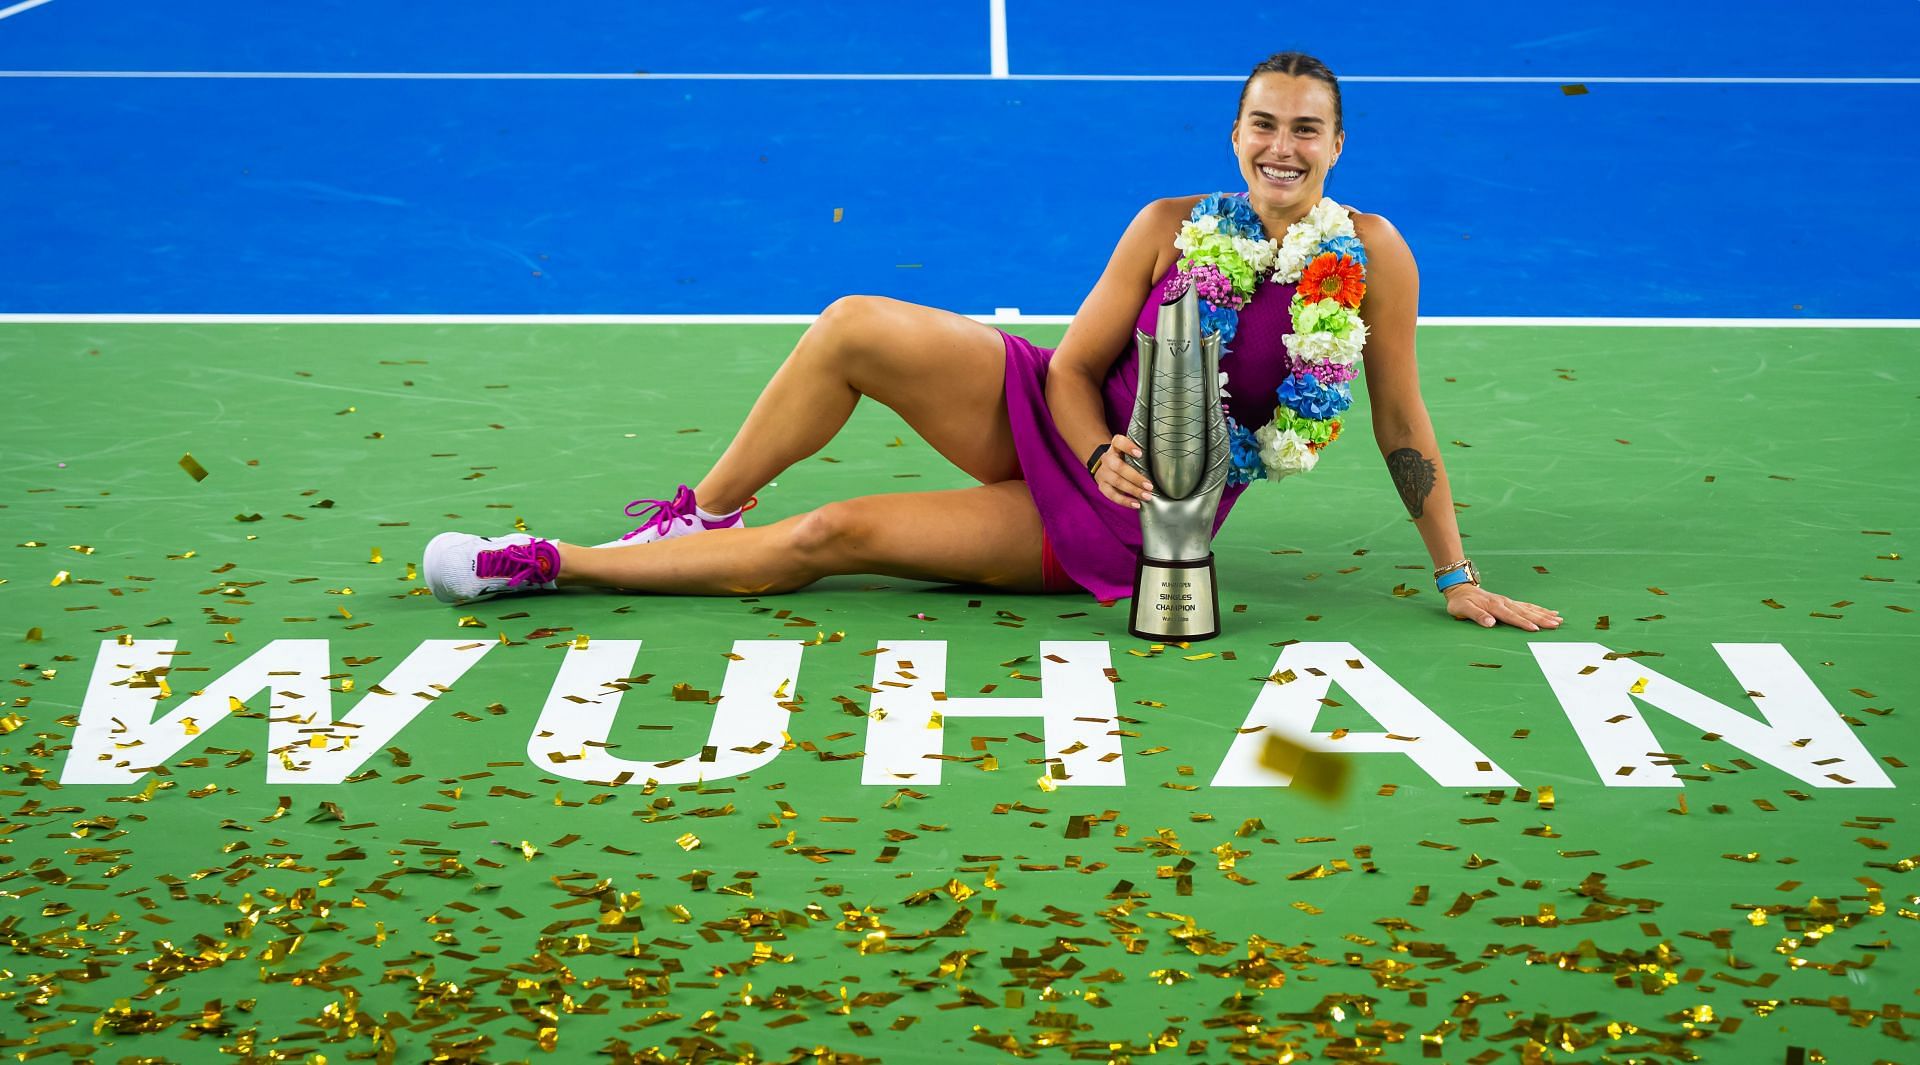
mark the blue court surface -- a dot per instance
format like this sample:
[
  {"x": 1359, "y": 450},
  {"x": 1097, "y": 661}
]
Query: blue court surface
[{"x": 578, "y": 159}]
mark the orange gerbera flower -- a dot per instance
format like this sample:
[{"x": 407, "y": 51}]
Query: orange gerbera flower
[{"x": 1332, "y": 277}]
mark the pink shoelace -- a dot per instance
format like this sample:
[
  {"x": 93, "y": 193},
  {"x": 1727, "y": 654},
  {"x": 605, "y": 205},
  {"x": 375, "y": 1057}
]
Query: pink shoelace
[
  {"x": 664, "y": 512},
  {"x": 536, "y": 561},
  {"x": 660, "y": 514}
]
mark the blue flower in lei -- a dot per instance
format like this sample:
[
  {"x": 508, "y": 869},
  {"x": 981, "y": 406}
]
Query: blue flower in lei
[
  {"x": 1222, "y": 320},
  {"x": 1237, "y": 216},
  {"x": 1346, "y": 247},
  {"x": 1308, "y": 397},
  {"x": 1238, "y": 219},
  {"x": 1244, "y": 465}
]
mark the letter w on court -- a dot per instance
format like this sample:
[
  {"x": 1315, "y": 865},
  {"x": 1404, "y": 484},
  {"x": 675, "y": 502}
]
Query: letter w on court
[{"x": 118, "y": 740}]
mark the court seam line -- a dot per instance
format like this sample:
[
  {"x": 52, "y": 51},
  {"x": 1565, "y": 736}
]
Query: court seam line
[
  {"x": 109, "y": 318},
  {"x": 997, "y": 37},
  {"x": 24, "y": 5},
  {"x": 1411, "y": 79}
]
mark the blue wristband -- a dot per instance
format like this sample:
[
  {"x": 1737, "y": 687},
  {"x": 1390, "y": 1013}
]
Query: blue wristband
[{"x": 1459, "y": 576}]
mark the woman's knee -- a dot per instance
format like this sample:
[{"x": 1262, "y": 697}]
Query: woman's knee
[
  {"x": 851, "y": 318},
  {"x": 826, "y": 539}
]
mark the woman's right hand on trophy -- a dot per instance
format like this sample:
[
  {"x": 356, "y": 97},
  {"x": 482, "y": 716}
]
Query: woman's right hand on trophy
[{"x": 1119, "y": 479}]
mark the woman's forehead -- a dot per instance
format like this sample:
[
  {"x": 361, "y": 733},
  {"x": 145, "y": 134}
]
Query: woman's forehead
[{"x": 1289, "y": 96}]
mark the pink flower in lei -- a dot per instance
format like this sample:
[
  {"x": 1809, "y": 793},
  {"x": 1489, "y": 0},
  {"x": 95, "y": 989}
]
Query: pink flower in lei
[
  {"x": 1327, "y": 372},
  {"x": 1213, "y": 285}
]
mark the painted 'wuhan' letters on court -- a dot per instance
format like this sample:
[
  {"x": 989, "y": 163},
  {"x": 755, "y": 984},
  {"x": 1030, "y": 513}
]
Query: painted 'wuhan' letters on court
[{"x": 118, "y": 740}]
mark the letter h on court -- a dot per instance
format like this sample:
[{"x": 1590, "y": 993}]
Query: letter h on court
[{"x": 1075, "y": 706}]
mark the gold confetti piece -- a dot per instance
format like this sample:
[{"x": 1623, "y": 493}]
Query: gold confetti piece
[
  {"x": 376, "y": 559},
  {"x": 1198, "y": 657},
  {"x": 580, "y": 642},
  {"x": 34, "y": 635},
  {"x": 1320, "y": 774},
  {"x": 839, "y": 213},
  {"x": 688, "y": 842},
  {"x": 247, "y": 518},
  {"x": 1639, "y": 686},
  {"x": 193, "y": 467},
  {"x": 59, "y": 579},
  {"x": 468, "y": 621},
  {"x": 10, "y": 723}
]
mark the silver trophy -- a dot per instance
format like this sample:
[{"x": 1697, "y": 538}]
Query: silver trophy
[{"x": 1178, "y": 422}]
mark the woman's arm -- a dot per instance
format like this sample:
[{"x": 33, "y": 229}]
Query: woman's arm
[
  {"x": 1403, "y": 429},
  {"x": 1100, "y": 332}
]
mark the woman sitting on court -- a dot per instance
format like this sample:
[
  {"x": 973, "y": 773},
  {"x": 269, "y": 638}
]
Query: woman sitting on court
[{"x": 1299, "y": 288}]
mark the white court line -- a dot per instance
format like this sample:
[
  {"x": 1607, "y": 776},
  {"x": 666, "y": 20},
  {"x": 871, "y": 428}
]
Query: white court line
[
  {"x": 803, "y": 319},
  {"x": 1408, "y": 79},
  {"x": 24, "y": 5},
  {"x": 997, "y": 36}
]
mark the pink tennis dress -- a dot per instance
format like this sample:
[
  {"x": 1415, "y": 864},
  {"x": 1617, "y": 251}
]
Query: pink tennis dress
[{"x": 1094, "y": 539}]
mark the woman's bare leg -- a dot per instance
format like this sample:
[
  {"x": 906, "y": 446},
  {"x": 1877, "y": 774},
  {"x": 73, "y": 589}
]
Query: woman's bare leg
[
  {"x": 945, "y": 374},
  {"x": 988, "y": 535}
]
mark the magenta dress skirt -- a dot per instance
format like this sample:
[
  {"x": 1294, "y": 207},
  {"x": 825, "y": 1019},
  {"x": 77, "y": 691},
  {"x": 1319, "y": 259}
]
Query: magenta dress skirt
[{"x": 1091, "y": 539}]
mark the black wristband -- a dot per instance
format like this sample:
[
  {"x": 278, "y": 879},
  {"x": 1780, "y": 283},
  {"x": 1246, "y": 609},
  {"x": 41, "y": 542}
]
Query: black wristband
[{"x": 1093, "y": 460}]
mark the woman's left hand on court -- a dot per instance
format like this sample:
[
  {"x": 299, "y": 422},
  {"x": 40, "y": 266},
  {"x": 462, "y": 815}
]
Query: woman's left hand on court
[{"x": 1472, "y": 603}]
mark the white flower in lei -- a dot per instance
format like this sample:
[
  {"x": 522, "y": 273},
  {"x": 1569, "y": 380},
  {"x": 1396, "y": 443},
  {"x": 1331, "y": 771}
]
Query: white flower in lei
[
  {"x": 1329, "y": 347},
  {"x": 1284, "y": 451},
  {"x": 1302, "y": 239},
  {"x": 1259, "y": 254}
]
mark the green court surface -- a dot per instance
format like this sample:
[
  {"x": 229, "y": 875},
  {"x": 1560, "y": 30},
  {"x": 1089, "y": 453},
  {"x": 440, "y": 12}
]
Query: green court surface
[{"x": 1691, "y": 500}]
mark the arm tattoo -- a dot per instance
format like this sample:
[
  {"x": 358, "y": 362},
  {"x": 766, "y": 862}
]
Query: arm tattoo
[{"x": 1412, "y": 474}]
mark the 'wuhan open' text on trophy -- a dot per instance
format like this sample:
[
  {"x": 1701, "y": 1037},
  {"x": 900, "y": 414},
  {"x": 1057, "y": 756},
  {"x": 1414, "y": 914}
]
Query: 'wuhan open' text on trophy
[{"x": 1178, "y": 422}]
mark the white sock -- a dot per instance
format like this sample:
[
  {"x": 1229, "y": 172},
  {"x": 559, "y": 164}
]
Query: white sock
[{"x": 708, "y": 516}]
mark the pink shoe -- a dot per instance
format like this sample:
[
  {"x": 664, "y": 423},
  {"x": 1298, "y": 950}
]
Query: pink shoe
[
  {"x": 461, "y": 568},
  {"x": 679, "y": 516}
]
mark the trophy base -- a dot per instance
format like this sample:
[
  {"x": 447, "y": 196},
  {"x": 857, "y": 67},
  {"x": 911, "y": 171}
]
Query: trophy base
[{"x": 1175, "y": 600}]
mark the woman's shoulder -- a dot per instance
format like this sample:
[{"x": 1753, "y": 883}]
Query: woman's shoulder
[
  {"x": 1171, "y": 210},
  {"x": 1182, "y": 204},
  {"x": 1375, "y": 230},
  {"x": 1165, "y": 215}
]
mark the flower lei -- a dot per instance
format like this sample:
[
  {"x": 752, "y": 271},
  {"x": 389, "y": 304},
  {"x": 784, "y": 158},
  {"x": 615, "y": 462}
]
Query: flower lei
[{"x": 1224, "y": 255}]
